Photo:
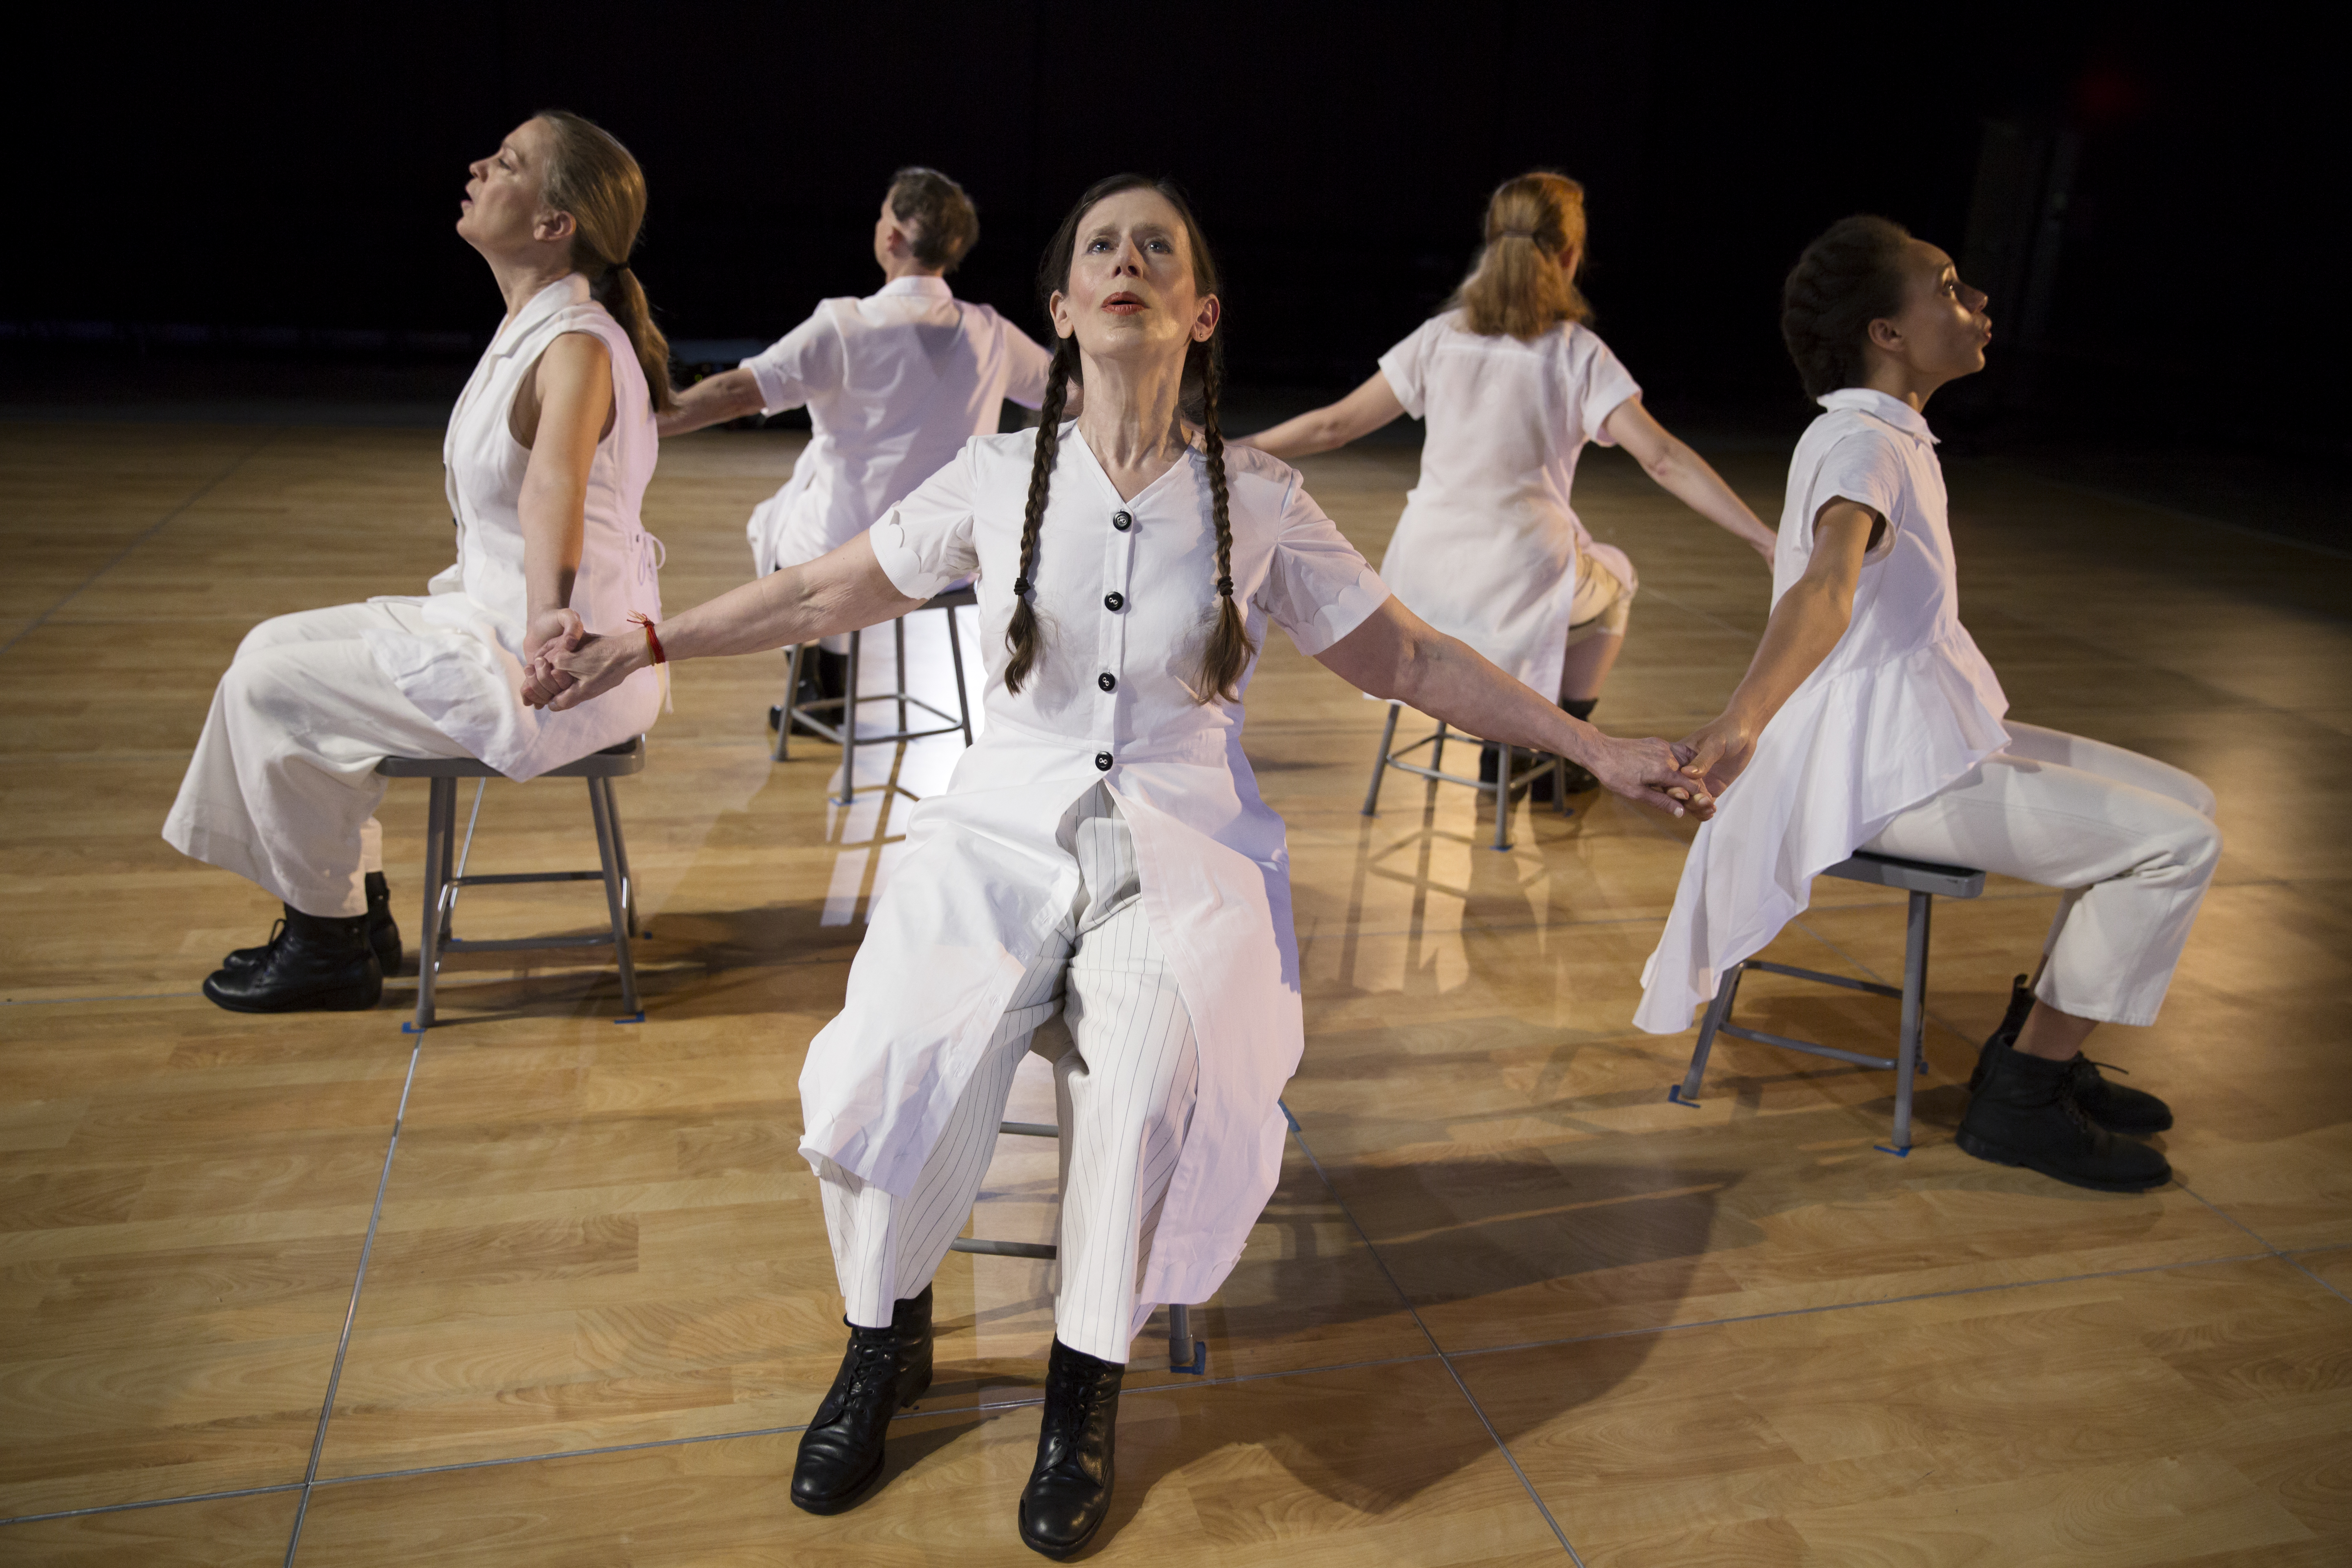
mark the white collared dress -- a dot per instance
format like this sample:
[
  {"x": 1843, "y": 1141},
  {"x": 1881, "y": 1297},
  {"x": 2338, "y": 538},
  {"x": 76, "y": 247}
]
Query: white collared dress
[
  {"x": 894, "y": 384},
  {"x": 1903, "y": 708},
  {"x": 1125, "y": 590},
  {"x": 1488, "y": 548}
]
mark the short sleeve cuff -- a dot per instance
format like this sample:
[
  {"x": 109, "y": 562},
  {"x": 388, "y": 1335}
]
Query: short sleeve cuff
[
  {"x": 901, "y": 562},
  {"x": 775, "y": 396},
  {"x": 1608, "y": 397},
  {"x": 1407, "y": 389},
  {"x": 1341, "y": 613}
]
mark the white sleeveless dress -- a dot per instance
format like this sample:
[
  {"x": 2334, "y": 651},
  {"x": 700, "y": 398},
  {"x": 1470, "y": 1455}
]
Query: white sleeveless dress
[{"x": 465, "y": 674}]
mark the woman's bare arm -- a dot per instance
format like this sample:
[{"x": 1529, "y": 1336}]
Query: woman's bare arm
[
  {"x": 713, "y": 400},
  {"x": 845, "y": 591},
  {"x": 1396, "y": 654},
  {"x": 1805, "y": 626},
  {"x": 1685, "y": 474},
  {"x": 1360, "y": 413},
  {"x": 574, "y": 382}
]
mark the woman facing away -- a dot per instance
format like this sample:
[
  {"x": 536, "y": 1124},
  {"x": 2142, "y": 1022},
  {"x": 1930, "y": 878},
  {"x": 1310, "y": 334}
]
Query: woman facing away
[
  {"x": 1869, "y": 720},
  {"x": 1513, "y": 383},
  {"x": 547, "y": 455},
  {"x": 1101, "y": 852}
]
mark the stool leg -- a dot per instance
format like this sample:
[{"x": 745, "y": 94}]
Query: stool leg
[
  {"x": 1718, "y": 1013},
  {"x": 792, "y": 699},
  {"x": 1502, "y": 797},
  {"x": 955, "y": 656},
  {"x": 849, "y": 726},
  {"x": 1914, "y": 1006},
  {"x": 899, "y": 635},
  {"x": 440, "y": 824},
  {"x": 1381, "y": 767},
  {"x": 1560, "y": 787},
  {"x": 1437, "y": 751},
  {"x": 600, "y": 807},
  {"x": 621, "y": 857}
]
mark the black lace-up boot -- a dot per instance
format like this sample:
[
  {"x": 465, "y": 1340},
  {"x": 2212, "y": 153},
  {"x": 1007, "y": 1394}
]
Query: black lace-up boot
[
  {"x": 383, "y": 934},
  {"x": 2023, "y": 1113},
  {"x": 2113, "y": 1106},
  {"x": 884, "y": 1371},
  {"x": 313, "y": 964},
  {"x": 1068, "y": 1494}
]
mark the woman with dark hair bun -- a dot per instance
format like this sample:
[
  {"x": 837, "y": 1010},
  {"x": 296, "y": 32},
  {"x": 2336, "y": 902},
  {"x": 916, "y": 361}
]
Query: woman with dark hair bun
[
  {"x": 1869, "y": 720},
  {"x": 1101, "y": 852},
  {"x": 1513, "y": 383},
  {"x": 547, "y": 457}
]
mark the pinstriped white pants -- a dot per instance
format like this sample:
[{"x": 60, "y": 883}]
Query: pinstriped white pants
[{"x": 1124, "y": 1090}]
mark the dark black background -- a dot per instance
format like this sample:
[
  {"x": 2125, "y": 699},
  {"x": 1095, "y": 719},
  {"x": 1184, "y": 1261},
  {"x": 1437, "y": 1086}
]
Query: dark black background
[{"x": 301, "y": 169}]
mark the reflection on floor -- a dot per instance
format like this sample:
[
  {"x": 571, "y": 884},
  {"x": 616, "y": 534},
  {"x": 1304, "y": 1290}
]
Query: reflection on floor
[{"x": 1508, "y": 1300}]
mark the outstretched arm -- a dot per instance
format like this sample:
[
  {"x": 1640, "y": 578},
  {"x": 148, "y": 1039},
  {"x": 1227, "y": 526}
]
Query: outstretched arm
[
  {"x": 1396, "y": 654},
  {"x": 845, "y": 591},
  {"x": 713, "y": 400},
  {"x": 1685, "y": 474},
  {"x": 1805, "y": 626},
  {"x": 1360, "y": 413}
]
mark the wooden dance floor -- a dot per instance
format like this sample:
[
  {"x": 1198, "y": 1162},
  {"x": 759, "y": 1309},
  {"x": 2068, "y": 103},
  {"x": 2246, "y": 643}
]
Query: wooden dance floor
[{"x": 547, "y": 1289}]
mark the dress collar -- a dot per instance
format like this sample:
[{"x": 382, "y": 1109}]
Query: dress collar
[
  {"x": 567, "y": 291},
  {"x": 1884, "y": 407},
  {"x": 936, "y": 287}
]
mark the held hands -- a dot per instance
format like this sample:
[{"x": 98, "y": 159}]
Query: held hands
[
  {"x": 1718, "y": 751},
  {"x": 1653, "y": 773},
  {"x": 565, "y": 676}
]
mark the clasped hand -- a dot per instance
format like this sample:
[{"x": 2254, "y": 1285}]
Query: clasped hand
[{"x": 565, "y": 663}]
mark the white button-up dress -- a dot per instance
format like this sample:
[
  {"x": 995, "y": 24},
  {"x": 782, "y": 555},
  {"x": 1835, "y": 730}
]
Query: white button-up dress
[
  {"x": 1125, "y": 593},
  {"x": 894, "y": 384},
  {"x": 467, "y": 673},
  {"x": 1902, "y": 708},
  {"x": 1488, "y": 547}
]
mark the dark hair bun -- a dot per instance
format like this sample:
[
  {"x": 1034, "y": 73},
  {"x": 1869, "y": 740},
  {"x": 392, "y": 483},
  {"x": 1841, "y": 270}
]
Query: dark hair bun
[{"x": 1849, "y": 277}]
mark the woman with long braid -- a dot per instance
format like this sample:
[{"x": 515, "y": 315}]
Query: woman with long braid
[{"x": 1101, "y": 853}]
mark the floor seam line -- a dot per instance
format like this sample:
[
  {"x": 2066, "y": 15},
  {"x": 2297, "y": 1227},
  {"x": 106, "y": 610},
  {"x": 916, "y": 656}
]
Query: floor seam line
[
  {"x": 351, "y": 1311},
  {"x": 2281, "y": 1253},
  {"x": 1300, "y": 1132},
  {"x": 1874, "y": 1302},
  {"x": 149, "y": 1502},
  {"x": 153, "y": 529}
]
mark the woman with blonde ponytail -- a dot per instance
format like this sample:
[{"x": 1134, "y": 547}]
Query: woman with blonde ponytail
[
  {"x": 547, "y": 457},
  {"x": 1101, "y": 853},
  {"x": 1513, "y": 383}
]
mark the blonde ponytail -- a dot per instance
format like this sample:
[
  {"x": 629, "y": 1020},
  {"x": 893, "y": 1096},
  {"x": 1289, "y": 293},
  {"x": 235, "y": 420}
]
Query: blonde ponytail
[
  {"x": 1518, "y": 286},
  {"x": 591, "y": 176}
]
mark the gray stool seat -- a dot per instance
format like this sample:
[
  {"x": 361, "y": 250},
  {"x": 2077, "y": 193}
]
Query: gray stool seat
[
  {"x": 1925, "y": 882},
  {"x": 1506, "y": 780},
  {"x": 1185, "y": 1353},
  {"x": 442, "y": 880},
  {"x": 835, "y": 719}
]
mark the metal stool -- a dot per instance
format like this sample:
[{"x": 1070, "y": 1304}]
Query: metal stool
[
  {"x": 1923, "y": 881},
  {"x": 442, "y": 882},
  {"x": 1185, "y": 1353},
  {"x": 842, "y": 730},
  {"x": 1506, "y": 781}
]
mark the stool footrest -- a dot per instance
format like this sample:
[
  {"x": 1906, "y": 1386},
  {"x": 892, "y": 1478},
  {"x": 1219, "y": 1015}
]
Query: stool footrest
[
  {"x": 1761, "y": 1037},
  {"x": 519, "y": 943},
  {"x": 1031, "y": 1129},
  {"x": 510, "y": 877},
  {"x": 1003, "y": 1248},
  {"x": 1872, "y": 986}
]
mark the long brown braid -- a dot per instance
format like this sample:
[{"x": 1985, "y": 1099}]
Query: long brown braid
[
  {"x": 1020, "y": 631},
  {"x": 1229, "y": 650}
]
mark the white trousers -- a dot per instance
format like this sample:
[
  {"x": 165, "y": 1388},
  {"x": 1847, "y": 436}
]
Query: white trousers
[
  {"x": 1124, "y": 1085},
  {"x": 283, "y": 789},
  {"x": 2130, "y": 840}
]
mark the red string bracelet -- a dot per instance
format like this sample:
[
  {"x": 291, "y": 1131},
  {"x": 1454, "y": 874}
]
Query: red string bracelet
[{"x": 652, "y": 641}]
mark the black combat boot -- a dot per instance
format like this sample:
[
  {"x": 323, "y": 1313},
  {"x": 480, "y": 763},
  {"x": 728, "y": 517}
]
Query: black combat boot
[
  {"x": 1068, "y": 1494},
  {"x": 383, "y": 935},
  {"x": 2111, "y": 1105},
  {"x": 2023, "y": 1113},
  {"x": 884, "y": 1371},
  {"x": 313, "y": 964}
]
